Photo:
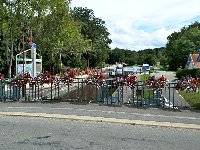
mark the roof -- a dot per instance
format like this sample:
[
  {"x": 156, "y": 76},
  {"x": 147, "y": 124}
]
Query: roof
[
  {"x": 145, "y": 65},
  {"x": 195, "y": 60}
]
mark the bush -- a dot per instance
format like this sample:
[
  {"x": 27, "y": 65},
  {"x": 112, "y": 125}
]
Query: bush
[
  {"x": 195, "y": 73},
  {"x": 164, "y": 68},
  {"x": 198, "y": 73},
  {"x": 179, "y": 73}
]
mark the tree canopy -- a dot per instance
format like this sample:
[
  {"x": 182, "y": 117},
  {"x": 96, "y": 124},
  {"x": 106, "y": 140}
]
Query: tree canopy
[
  {"x": 93, "y": 29},
  {"x": 181, "y": 44},
  {"x": 79, "y": 37},
  {"x": 131, "y": 57},
  {"x": 52, "y": 26}
]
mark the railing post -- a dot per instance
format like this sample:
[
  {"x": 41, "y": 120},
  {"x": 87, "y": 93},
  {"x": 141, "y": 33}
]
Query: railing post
[
  {"x": 122, "y": 95},
  {"x": 134, "y": 96},
  {"x": 169, "y": 94},
  {"x": 36, "y": 91},
  {"x": 58, "y": 90},
  {"x": 51, "y": 92},
  {"x": 78, "y": 92},
  {"x": 173, "y": 97},
  {"x": 32, "y": 87},
  {"x": 137, "y": 94},
  {"x": 118, "y": 94},
  {"x": 38, "y": 87},
  {"x": 68, "y": 89},
  {"x": 41, "y": 91}
]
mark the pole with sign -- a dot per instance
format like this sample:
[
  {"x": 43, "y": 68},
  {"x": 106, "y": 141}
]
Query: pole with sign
[{"x": 33, "y": 57}]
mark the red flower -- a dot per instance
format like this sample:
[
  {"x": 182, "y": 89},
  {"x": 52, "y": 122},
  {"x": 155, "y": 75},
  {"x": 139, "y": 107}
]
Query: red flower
[
  {"x": 156, "y": 83},
  {"x": 131, "y": 80},
  {"x": 1, "y": 76}
]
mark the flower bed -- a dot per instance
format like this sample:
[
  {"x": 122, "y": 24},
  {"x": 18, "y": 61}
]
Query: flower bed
[
  {"x": 188, "y": 88},
  {"x": 188, "y": 84}
]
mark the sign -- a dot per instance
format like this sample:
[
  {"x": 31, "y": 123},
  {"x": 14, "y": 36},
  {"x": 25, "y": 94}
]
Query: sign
[
  {"x": 27, "y": 67},
  {"x": 19, "y": 59},
  {"x": 33, "y": 45},
  {"x": 146, "y": 67}
]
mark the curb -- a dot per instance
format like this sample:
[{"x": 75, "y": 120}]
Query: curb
[{"x": 102, "y": 119}]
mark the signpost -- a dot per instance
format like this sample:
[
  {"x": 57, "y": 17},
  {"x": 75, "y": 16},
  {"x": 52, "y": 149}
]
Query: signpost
[
  {"x": 33, "y": 57},
  {"x": 31, "y": 65}
]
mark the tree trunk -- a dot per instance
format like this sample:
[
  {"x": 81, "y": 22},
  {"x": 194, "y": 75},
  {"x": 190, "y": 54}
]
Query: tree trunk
[
  {"x": 9, "y": 57},
  {"x": 9, "y": 71}
]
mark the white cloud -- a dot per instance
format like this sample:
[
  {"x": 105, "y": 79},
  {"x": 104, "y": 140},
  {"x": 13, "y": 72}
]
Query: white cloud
[{"x": 140, "y": 24}]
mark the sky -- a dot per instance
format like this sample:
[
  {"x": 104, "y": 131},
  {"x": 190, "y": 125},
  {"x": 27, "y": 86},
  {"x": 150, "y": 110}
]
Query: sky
[{"x": 142, "y": 24}]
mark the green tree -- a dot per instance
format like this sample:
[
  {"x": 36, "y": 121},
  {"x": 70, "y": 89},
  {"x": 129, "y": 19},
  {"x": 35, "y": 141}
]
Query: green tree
[
  {"x": 94, "y": 30},
  {"x": 181, "y": 44},
  {"x": 54, "y": 31},
  {"x": 117, "y": 55},
  {"x": 58, "y": 34},
  {"x": 11, "y": 28},
  {"x": 130, "y": 57}
]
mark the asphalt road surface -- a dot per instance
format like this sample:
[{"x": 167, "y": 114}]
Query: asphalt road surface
[
  {"x": 18, "y": 133},
  {"x": 171, "y": 94},
  {"x": 94, "y": 110}
]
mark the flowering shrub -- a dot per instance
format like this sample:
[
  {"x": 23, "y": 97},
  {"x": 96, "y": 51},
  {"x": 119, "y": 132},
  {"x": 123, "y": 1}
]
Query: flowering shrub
[
  {"x": 160, "y": 82},
  {"x": 1, "y": 76},
  {"x": 27, "y": 77},
  {"x": 88, "y": 71},
  {"x": 96, "y": 78},
  {"x": 119, "y": 81},
  {"x": 188, "y": 84},
  {"x": 70, "y": 75},
  {"x": 45, "y": 77},
  {"x": 34, "y": 81},
  {"x": 21, "y": 79},
  {"x": 130, "y": 81}
]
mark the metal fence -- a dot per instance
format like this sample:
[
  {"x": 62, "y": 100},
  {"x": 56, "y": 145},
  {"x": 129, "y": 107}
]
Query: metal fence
[{"x": 106, "y": 93}]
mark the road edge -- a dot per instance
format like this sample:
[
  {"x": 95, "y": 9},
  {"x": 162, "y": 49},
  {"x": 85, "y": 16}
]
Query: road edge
[{"x": 102, "y": 119}]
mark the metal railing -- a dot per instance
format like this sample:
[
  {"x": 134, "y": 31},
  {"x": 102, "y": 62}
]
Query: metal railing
[{"x": 106, "y": 93}]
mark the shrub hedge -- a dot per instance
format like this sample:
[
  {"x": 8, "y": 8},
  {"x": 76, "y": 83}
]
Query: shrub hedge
[{"x": 188, "y": 73}]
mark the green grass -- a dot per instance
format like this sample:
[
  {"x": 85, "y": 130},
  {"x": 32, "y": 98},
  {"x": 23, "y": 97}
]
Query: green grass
[
  {"x": 144, "y": 77},
  {"x": 164, "y": 68},
  {"x": 148, "y": 93},
  {"x": 192, "y": 98}
]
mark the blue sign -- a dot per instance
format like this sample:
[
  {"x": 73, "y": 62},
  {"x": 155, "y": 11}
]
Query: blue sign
[{"x": 33, "y": 45}]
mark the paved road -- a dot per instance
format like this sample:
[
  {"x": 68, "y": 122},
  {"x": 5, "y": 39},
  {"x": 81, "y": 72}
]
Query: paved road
[
  {"x": 94, "y": 110},
  {"x": 173, "y": 98},
  {"x": 20, "y": 133}
]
